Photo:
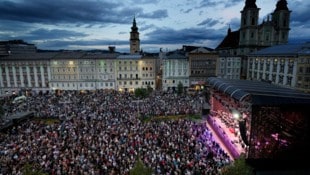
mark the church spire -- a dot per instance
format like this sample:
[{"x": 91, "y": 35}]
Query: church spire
[
  {"x": 250, "y": 4},
  {"x": 229, "y": 30},
  {"x": 281, "y": 5},
  {"x": 134, "y": 25}
]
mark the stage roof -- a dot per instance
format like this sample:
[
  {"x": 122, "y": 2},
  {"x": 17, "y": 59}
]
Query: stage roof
[{"x": 262, "y": 93}]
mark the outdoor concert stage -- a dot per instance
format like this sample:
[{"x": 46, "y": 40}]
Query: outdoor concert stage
[{"x": 268, "y": 123}]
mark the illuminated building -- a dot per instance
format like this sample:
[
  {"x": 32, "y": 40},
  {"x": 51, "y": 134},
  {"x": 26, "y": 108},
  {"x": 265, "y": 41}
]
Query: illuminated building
[{"x": 286, "y": 65}]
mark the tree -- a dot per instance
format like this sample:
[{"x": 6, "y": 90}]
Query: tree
[
  {"x": 180, "y": 88},
  {"x": 140, "y": 169},
  {"x": 141, "y": 93},
  {"x": 149, "y": 89},
  {"x": 29, "y": 169},
  {"x": 239, "y": 166},
  {"x": 1, "y": 111}
]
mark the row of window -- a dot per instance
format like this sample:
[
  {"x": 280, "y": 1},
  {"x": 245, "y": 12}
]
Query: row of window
[
  {"x": 81, "y": 85},
  {"x": 305, "y": 70},
  {"x": 130, "y": 62},
  {"x": 174, "y": 81},
  {"x": 135, "y": 82},
  {"x": 231, "y": 70},
  {"x": 281, "y": 69},
  {"x": 175, "y": 74},
  {"x": 274, "y": 78},
  {"x": 203, "y": 63},
  {"x": 23, "y": 78},
  {"x": 274, "y": 60},
  {"x": 231, "y": 64},
  {"x": 24, "y": 70},
  {"x": 130, "y": 68},
  {"x": 25, "y": 83}
]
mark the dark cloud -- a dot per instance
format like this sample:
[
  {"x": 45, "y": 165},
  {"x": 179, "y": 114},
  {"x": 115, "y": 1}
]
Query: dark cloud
[
  {"x": 41, "y": 22},
  {"x": 186, "y": 11},
  {"x": 59, "y": 44},
  {"x": 146, "y": 27},
  {"x": 214, "y": 3},
  {"x": 9, "y": 26},
  {"x": 155, "y": 14},
  {"x": 184, "y": 36},
  {"x": 72, "y": 11},
  {"x": 209, "y": 22},
  {"x": 144, "y": 1},
  {"x": 53, "y": 34},
  {"x": 300, "y": 13}
]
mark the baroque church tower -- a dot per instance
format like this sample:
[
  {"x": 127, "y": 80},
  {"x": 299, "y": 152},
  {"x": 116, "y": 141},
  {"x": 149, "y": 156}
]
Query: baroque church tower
[
  {"x": 253, "y": 36},
  {"x": 134, "y": 38},
  {"x": 281, "y": 19},
  {"x": 249, "y": 24}
]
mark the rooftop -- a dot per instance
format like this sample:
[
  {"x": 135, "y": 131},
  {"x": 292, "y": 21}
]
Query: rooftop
[
  {"x": 262, "y": 93},
  {"x": 285, "y": 50},
  {"x": 131, "y": 56}
]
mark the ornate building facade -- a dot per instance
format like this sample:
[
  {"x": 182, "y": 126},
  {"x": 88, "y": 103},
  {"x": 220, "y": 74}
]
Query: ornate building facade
[
  {"x": 202, "y": 65},
  {"x": 253, "y": 36}
]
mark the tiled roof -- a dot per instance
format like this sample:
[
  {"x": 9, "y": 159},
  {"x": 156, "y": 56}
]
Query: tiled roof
[
  {"x": 286, "y": 50},
  {"x": 69, "y": 55},
  {"x": 31, "y": 56},
  {"x": 187, "y": 48},
  {"x": 131, "y": 56},
  {"x": 100, "y": 56},
  {"x": 175, "y": 55},
  {"x": 230, "y": 41}
]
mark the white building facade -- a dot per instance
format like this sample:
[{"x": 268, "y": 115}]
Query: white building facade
[
  {"x": 175, "y": 70},
  {"x": 229, "y": 67},
  {"x": 76, "y": 71},
  {"x": 286, "y": 65},
  {"x": 27, "y": 72}
]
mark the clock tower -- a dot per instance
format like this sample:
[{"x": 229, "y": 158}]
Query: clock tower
[{"x": 134, "y": 38}]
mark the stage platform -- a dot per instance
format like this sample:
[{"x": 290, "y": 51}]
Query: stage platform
[{"x": 228, "y": 136}]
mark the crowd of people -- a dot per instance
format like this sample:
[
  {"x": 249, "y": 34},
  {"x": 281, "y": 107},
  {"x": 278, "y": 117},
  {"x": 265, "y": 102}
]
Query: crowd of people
[{"x": 101, "y": 133}]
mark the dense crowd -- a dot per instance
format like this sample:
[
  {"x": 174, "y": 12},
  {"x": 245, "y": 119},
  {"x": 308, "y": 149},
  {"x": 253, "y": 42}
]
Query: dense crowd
[{"x": 100, "y": 133}]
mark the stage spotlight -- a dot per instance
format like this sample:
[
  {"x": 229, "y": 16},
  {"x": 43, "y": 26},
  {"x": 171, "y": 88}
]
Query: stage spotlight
[{"x": 235, "y": 114}]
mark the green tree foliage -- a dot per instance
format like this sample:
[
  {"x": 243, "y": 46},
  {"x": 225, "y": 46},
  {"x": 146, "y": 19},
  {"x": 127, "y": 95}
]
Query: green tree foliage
[
  {"x": 239, "y": 166},
  {"x": 140, "y": 169},
  {"x": 141, "y": 93},
  {"x": 180, "y": 88},
  {"x": 29, "y": 169}
]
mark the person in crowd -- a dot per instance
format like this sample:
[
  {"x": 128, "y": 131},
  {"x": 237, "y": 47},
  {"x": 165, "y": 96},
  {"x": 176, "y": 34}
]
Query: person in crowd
[{"x": 100, "y": 133}]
